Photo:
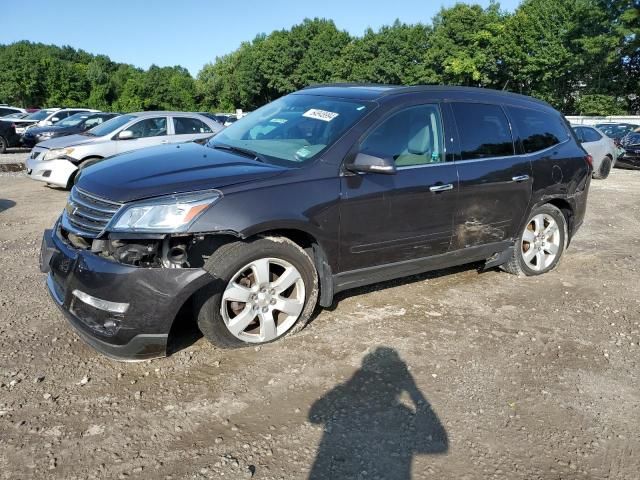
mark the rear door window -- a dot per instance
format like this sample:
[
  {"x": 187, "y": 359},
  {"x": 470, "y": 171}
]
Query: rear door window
[
  {"x": 189, "y": 126},
  {"x": 484, "y": 131},
  {"x": 538, "y": 130},
  {"x": 590, "y": 135}
]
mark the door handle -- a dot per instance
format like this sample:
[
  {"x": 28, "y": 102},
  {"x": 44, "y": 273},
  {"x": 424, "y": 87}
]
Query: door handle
[
  {"x": 441, "y": 188},
  {"x": 164, "y": 141},
  {"x": 520, "y": 178}
]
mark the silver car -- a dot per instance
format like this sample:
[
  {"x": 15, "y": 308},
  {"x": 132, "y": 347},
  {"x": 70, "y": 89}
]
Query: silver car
[
  {"x": 57, "y": 161},
  {"x": 602, "y": 149}
]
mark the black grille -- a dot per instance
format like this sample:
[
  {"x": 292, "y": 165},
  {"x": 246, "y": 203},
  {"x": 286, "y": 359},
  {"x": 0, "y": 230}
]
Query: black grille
[{"x": 87, "y": 215}]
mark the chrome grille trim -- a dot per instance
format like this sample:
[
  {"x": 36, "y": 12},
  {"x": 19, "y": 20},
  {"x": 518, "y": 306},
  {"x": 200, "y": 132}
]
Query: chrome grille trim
[
  {"x": 87, "y": 215},
  {"x": 90, "y": 204}
]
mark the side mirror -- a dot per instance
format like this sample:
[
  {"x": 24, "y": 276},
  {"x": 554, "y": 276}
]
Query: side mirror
[
  {"x": 54, "y": 119},
  {"x": 371, "y": 164},
  {"x": 125, "y": 135}
]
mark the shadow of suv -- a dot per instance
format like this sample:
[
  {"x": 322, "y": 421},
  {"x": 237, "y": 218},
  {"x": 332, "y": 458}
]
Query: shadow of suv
[{"x": 323, "y": 190}]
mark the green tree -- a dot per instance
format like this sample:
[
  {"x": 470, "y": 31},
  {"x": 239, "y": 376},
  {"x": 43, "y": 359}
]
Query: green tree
[
  {"x": 580, "y": 55},
  {"x": 464, "y": 45},
  {"x": 393, "y": 55},
  {"x": 599, "y": 105}
]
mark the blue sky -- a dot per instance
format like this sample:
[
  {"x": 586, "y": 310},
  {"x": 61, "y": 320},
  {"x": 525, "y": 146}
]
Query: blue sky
[{"x": 192, "y": 32}]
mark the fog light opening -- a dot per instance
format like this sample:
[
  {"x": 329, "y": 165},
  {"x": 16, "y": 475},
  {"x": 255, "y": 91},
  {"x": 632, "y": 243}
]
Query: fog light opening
[
  {"x": 107, "y": 306},
  {"x": 100, "y": 315}
]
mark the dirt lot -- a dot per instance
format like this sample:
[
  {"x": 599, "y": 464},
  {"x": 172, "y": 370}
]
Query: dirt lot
[{"x": 458, "y": 374}]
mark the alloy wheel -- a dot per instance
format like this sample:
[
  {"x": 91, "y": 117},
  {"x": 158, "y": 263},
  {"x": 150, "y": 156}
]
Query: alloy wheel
[
  {"x": 263, "y": 300},
  {"x": 540, "y": 242}
]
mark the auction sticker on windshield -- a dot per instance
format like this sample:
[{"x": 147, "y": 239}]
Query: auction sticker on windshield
[{"x": 320, "y": 114}]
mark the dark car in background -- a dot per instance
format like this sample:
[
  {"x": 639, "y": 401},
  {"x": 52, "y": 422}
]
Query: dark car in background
[
  {"x": 630, "y": 156},
  {"x": 224, "y": 119},
  {"x": 616, "y": 131},
  {"x": 47, "y": 117},
  {"x": 78, "y": 123},
  {"x": 15, "y": 116},
  {"x": 323, "y": 190},
  {"x": 7, "y": 110},
  {"x": 8, "y": 136}
]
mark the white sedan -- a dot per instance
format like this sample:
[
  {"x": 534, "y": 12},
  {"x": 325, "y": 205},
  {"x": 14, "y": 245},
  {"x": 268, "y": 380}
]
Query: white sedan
[
  {"x": 602, "y": 149},
  {"x": 57, "y": 161}
]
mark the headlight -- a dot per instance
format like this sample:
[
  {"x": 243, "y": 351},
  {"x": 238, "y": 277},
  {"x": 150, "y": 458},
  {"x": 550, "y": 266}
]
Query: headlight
[
  {"x": 174, "y": 213},
  {"x": 46, "y": 134},
  {"x": 57, "y": 153}
]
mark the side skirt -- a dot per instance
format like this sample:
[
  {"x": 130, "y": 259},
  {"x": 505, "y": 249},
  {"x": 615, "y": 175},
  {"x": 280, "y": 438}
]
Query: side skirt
[{"x": 357, "y": 278}]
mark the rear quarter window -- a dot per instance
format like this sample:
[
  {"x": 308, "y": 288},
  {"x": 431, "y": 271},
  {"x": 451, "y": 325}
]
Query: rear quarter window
[{"x": 538, "y": 130}]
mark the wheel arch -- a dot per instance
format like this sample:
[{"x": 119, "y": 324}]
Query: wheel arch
[
  {"x": 302, "y": 238},
  {"x": 309, "y": 243},
  {"x": 567, "y": 210}
]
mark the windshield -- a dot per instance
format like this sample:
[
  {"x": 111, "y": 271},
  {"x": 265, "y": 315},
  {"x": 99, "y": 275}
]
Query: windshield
[
  {"x": 73, "y": 120},
  {"x": 110, "y": 125},
  {"x": 616, "y": 131},
  {"x": 293, "y": 129},
  {"x": 39, "y": 115},
  {"x": 632, "y": 139}
]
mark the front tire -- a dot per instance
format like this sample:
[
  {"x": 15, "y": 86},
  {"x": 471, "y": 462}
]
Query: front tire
[
  {"x": 265, "y": 289},
  {"x": 604, "y": 170},
  {"x": 541, "y": 244}
]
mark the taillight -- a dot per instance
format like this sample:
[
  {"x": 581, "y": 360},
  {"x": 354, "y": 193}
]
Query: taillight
[{"x": 589, "y": 160}]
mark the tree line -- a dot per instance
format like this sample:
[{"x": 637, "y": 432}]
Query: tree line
[{"x": 582, "y": 56}]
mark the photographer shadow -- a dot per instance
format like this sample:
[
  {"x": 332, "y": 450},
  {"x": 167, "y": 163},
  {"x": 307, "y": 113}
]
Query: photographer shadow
[{"x": 375, "y": 423}]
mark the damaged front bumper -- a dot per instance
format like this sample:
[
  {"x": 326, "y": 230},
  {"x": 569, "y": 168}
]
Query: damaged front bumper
[
  {"x": 629, "y": 159},
  {"x": 125, "y": 312}
]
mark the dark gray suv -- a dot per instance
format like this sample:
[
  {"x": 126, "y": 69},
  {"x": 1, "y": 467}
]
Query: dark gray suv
[{"x": 323, "y": 190}]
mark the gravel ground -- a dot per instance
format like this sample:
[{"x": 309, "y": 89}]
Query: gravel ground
[
  {"x": 14, "y": 155},
  {"x": 457, "y": 374}
]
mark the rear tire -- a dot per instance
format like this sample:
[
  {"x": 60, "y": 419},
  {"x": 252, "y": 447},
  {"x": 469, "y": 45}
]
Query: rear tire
[
  {"x": 604, "y": 170},
  {"x": 541, "y": 244},
  {"x": 241, "y": 307},
  {"x": 3, "y": 145}
]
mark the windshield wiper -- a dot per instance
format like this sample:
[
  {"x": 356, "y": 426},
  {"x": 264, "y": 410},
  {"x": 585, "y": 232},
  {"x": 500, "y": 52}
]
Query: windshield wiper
[{"x": 242, "y": 151}]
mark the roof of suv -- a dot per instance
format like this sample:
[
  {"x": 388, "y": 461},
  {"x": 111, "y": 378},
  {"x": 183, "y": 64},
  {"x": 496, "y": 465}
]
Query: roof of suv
[{"x": 364, "y": 91}]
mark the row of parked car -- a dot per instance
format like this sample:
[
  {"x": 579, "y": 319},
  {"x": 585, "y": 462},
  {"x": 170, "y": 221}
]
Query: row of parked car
[
  {"x": 64, "y": 140},
  {"x": 22, "y": 128},
  {"x": 610, "y": 144}
]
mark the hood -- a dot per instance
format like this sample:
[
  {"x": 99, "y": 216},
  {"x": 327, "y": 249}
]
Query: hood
[
  {"x": 56, "y": 129},
  {"x": 168, "y": 169},
  {"x": 64, "y": 142}
]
